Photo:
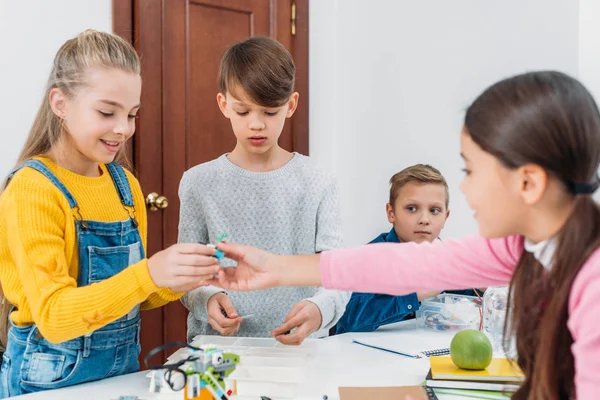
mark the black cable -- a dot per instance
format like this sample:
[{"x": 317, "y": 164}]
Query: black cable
[{"x": 158, "y": 349}]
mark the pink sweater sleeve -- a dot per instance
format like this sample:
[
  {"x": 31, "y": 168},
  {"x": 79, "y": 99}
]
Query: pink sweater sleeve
[
  {"x": 404, "y": 268},
  {"x": 584, "y": 314}
]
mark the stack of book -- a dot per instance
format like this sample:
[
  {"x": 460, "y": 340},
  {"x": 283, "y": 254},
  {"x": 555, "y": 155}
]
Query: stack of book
[{"x": 498, "y": 381}]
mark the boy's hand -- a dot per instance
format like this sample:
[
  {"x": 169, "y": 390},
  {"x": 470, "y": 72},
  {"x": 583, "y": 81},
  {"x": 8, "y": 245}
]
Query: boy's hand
[
  {"x": 305, "y": 317},
  {"x": 183, "y": 267},
  {"x": 256, "y": 269},
  {"x": 226, "y": 325}
]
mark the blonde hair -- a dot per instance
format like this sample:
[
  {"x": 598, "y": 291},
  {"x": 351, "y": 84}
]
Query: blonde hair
[
  {"x": 88, "y": 49},
  {"x": 419, "y": 173}
]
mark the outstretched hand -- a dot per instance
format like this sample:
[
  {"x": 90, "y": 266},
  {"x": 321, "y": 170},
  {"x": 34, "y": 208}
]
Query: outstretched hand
[{"x": 256, "y": 269}]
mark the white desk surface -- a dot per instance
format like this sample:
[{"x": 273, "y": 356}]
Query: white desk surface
[{"x": 336, "y": 362}]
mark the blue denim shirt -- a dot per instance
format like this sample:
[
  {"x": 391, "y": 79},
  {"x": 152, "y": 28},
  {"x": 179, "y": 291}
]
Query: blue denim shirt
[{"x": 366, "y": 312}]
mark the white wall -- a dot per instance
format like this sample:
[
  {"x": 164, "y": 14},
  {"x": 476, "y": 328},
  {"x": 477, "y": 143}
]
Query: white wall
[
  {"x": 390, "y": 79},
  {"x": 30, "y": 34},
  {"x": 589, "y": 50},
  {"x": 589, "y": 45}
]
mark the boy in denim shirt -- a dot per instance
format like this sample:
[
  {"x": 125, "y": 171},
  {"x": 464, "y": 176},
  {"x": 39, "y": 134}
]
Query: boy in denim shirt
[{"x": 418, "y": 210}]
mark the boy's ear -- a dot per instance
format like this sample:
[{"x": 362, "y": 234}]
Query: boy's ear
[
  {"x": 447, "y": 215},
  {"x": 58, "y": 103},
  {"x": 389, "y": 210},
  {"x": 222, "y": 102},
  {"x": 292, "y": 104}
]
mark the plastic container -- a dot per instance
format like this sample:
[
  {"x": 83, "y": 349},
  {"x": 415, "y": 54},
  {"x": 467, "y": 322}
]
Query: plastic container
[
  {"x": 255, "y": 342},
  {"x": 246, "y": 343},
  {"x": 450, "y": 312},
  {"x": 274, "y": 382},
  {"x": 495, "y": 301},
  {"x": 276, "y": 352},
  {"x": 285, "y": 361},
  {"x": 266, "y": 368}
]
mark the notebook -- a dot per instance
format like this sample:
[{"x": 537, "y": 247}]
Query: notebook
[
  {"x": 386, "y": 393},
  {"x": 470, "y": 385},
  {"x": 474, "y": 394},
  {"x": 406, "y": 345},
  {"x": 499, "y": 370}
]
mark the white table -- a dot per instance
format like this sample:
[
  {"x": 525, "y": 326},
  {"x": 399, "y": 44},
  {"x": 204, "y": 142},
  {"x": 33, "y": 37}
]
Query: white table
[{"x": 336, "y": 362}]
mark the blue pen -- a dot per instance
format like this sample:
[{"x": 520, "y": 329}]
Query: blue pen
[{"x": 382, "y": 349}]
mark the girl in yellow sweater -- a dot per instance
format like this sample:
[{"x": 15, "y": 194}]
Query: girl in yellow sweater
[{"x": 73, "y": 230}]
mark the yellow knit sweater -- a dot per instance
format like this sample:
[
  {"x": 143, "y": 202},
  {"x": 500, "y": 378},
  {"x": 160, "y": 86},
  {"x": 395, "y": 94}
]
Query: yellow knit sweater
[{"x": 39, "y": 258}]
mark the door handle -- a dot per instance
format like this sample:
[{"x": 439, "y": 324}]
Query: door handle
[{"x": 154, "y": 201}]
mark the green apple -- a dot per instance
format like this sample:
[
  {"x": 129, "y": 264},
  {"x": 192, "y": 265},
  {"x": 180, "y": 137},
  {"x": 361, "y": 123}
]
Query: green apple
[{"x": 471, "y": 349}]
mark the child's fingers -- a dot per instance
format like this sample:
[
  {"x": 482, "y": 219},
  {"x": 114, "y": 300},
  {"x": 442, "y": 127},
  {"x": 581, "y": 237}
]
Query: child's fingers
[
  {"x": 295, "y": 310},
  {"x": 195, "y": 248},
  {"x": 214, "y": 282},
  {"x": 217, "y": 327},
  {"x": 228, "y": 307},
  {"x": 226, "y": 281},
  {"x": 229, "y": 322},
  {"x": 200, "y": 272},
  {"x": 294, "y": 322},
  {"x": 294, "y": 339},
  {"x": 225, "y": 322},
  {"x": 197, "y": 260},
  {"x": 233, "y": 251},
  {"x": 230, "y": 273},
  {"x": 223, "y": 282}
]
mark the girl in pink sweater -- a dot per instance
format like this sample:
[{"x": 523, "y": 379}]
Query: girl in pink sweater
[{"x": 531, "y": 147}]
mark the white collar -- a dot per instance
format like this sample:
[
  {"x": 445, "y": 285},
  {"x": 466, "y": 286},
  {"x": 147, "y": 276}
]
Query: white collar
[{"x": 542, "y": 251}]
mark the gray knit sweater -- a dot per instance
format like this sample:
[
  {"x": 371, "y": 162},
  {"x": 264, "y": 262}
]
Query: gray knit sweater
[{"x": 292, "y": 210}]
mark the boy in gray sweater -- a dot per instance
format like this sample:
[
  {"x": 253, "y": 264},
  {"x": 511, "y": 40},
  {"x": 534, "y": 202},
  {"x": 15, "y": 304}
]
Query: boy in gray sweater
[{"x": 264, "y": 196}]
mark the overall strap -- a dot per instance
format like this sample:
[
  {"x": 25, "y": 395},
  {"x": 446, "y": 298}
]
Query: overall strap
[
  {"x": 40, "y": 167},
  {"x": 121, "y": 182}
]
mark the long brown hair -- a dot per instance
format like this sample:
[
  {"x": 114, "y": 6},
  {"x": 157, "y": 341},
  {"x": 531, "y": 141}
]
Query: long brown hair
[
  {"x": 88, "y": 49},
  {"x": 548, "y": 119}
]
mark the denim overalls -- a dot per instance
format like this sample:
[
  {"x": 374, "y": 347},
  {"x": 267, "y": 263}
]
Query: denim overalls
[{"x": 31, "y": 363}]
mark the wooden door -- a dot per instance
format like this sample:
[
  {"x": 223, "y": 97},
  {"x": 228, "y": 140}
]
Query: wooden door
[{"x": 180, "y": 43}]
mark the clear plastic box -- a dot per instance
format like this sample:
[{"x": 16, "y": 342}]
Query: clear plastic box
[
  {"x": 274, "y": 382},
  {"x": 263, "y": 347},
  {"x": 450, "y": 312},
  {"x": 266, "y": 368}
]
